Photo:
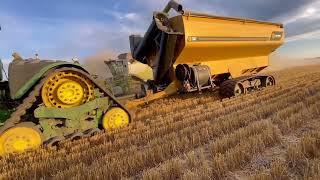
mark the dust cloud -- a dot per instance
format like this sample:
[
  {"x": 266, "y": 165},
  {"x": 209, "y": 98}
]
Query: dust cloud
[
  {"x": 95, "y": 63},
  {"x": 279, "y": 63}
]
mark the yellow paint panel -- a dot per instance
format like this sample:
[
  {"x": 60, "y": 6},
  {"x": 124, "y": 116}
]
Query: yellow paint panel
[
  {"x": 236, "y": 66},
  {"x": 227, "y": 44},
  {"x": 141, "y": 71}
]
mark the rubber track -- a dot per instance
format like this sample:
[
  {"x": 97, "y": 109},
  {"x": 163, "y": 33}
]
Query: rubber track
[
  {"x": 23, "y": 107},
  {"x": 227, "y": 87}
]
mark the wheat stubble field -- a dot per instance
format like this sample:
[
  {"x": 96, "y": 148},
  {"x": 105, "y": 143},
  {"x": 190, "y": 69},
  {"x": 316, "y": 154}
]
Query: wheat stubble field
[{"x": 271, "y": 134}]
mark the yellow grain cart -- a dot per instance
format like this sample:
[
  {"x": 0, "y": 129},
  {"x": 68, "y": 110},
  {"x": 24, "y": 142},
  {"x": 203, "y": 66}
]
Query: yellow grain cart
[
  {"x": 194, "y": 51},
  {"x": 227, "y": 45}
]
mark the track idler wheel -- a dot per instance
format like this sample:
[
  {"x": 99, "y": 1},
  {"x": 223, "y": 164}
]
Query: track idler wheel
[
  {"x": 115, "y": 118},
  {"x": 238, "y": 89},
  {"x": 231, "y": 88},
  {"x": 67, "y": 89},
  {"x": 268, "y": 81},
  {"x": 20, "y": 138}
]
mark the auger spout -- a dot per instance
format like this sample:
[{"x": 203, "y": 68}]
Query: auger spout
[
  {"x": 173, "y": 5},
  {"x": 138, "y": 43}
]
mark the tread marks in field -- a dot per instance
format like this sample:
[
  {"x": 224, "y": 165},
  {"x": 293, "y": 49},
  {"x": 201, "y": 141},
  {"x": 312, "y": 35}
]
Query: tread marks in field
[{"x": 179, "y": 132}]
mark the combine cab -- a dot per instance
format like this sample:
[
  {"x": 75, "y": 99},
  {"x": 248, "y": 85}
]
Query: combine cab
[{"x": 57, "y": 100}]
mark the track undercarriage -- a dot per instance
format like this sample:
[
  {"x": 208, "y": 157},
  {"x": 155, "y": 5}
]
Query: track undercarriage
[
  {"x": 245, "y": 84},
  {"x": 65, "y": 104}
]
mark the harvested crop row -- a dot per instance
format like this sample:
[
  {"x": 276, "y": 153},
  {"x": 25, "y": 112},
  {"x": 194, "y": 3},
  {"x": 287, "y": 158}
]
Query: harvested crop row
[
  {"x": 184, "y": 122},
  {"x": 203, "y": 136},
  {"x": 303, "y": 159},
  {"x": 219, "y": 163},
  {"x": 272, "y": 108},
  {"x": 218, "y": 145},
  {"x": 197, "y": 172},
  {"x": 99, "y": 149},
  {"x": 179, "y": 103}
]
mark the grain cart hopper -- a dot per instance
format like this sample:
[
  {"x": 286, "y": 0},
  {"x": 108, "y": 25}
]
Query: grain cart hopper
[
  {"x": 56, "y": 100},
  {"x": 194, "y": 51}
]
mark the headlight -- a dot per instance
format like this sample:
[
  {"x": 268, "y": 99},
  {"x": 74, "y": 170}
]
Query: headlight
[
  {"x": 276, "y": 36},
  {"x": 192, "y": 39}
]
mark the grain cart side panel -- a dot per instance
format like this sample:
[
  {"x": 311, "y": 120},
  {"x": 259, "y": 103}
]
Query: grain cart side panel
[{"x": 227, "y": 44}]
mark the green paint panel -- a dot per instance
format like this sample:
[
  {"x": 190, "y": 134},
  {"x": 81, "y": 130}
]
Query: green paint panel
[
  {"x": 61, "y": 122},
  {"x": 25, "y": 74},
  {"x": 72, "y": 113},
  {"x": 4, "y": 114}
]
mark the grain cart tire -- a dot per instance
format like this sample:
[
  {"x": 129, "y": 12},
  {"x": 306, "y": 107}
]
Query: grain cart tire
[
  {"x": 268, "y": 81},
  {"x": 231, "y": 88}
]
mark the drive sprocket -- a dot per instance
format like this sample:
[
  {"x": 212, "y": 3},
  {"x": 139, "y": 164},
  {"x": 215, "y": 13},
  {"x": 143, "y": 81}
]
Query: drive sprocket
[{"x": 67, "y": 89}]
